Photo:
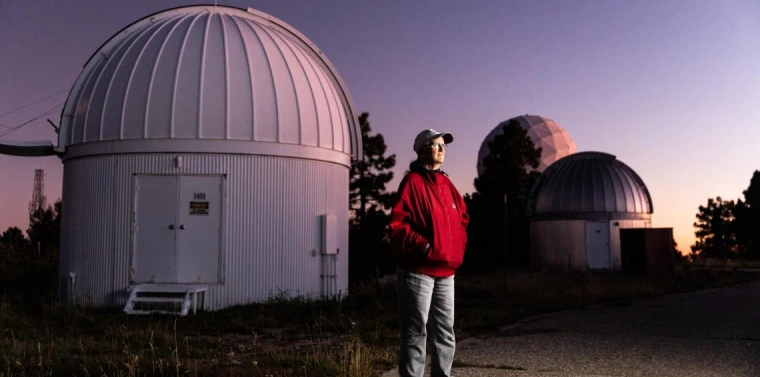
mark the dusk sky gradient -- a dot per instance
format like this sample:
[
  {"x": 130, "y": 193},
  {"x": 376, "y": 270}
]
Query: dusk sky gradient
[{"x": 672, "y": 88}]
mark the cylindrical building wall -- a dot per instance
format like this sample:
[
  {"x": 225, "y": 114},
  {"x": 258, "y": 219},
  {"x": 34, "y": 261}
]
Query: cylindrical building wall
[
  {"x": 558, "y": 244},
  {"x": 564, "y": 244},
  {"x": 271, "y": 226}
]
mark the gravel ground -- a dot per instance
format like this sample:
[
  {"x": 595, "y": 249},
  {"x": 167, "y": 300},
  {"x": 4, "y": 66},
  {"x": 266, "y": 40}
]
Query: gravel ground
[{"x": 709, "y": 333}]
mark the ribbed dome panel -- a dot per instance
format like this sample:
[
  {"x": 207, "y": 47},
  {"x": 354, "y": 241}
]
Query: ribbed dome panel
[
  {"x": 211, "y": 73},
  {"x": 589, "y": 182}
]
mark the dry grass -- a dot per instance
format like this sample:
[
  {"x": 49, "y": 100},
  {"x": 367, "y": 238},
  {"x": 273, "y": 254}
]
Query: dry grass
[{"x": 296, "y": 337}]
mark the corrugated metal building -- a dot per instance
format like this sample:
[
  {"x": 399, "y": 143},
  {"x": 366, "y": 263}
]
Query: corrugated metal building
[
  {"x": 208, "y": 146},
  {"x": 577, "y": 208}
]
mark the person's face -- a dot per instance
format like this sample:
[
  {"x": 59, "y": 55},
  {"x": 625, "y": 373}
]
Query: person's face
[{"x": 434, "y": 152}]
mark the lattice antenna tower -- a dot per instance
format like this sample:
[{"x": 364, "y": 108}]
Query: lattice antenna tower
[{"x": 38, "y": 198}]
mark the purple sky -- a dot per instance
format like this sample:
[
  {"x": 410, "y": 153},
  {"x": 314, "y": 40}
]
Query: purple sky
[{"x": 672, "y": 88}]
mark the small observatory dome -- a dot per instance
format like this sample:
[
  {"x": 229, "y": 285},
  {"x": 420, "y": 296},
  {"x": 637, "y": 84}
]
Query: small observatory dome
[
  {"x": 577, "y": 208},
  {"x": 590, "y": 184},
  {"x": 554, "y": 140}
]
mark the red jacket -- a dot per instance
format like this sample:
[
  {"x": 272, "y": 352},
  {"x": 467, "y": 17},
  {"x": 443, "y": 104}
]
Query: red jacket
[{"x": 429, "y": 210}]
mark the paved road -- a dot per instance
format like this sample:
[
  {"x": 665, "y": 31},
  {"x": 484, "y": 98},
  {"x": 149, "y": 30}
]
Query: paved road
[{"x": 710, "y": 333}]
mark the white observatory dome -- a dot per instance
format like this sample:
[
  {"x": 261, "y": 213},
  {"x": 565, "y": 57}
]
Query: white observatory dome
[
  {"x": 206, "y": 151},
  {"x": 210, "y": 80},
  {"x": 554, "y": 140}
]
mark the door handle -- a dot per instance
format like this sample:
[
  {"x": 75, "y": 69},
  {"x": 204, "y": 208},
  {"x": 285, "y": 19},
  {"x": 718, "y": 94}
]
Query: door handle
[
  {"x": 171, "y": 226},
  {"x": 182, "y": 226}
]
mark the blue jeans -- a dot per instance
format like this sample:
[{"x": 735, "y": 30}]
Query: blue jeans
[{"x": 418, "y": 296}]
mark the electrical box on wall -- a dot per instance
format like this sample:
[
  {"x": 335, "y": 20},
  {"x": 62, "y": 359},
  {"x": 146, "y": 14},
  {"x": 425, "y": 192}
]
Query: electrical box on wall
[{"x": 329, "y": 234}]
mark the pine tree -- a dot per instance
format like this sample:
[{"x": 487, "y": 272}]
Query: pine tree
[
  {"x": 747, "y": 215},
  {"x": 509, "y": 168},
  {"x": 371, "y": 174},
  {"x": 498, "y": 208},
  {"x": 29, "y": 266},
  {"x": 13, "y": 243},
  {"x": 369, "y": 202},
  {"x": 45, "y": 230},
  {"x": 716, "y": 230}
]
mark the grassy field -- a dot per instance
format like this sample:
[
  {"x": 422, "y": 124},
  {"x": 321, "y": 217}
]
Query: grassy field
[{"x": 297, "y": 337}]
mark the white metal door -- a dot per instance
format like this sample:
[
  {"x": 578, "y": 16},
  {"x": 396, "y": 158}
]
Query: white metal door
[
  {"x": 598, "y": 245},
  {"x": 199, "y": 231},
  {"x": 154, "y": 229}
]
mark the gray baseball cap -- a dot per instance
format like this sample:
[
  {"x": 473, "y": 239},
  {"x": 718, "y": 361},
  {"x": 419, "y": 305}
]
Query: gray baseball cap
[{"x": 431, "y": 134}]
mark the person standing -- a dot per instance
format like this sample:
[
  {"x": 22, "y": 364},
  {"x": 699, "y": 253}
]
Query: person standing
[{"x": 428, "y": 236}]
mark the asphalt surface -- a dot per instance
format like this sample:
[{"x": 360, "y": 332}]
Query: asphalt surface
[{"x": 709, "y": 333}]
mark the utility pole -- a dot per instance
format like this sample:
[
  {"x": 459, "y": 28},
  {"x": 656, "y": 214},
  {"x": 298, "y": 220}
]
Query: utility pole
[{"x": 506, "y": 247}]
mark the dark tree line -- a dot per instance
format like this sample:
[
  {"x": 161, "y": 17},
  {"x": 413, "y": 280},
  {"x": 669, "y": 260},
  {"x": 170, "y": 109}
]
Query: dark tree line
[
  {"x": 728, "y": 229},
  {"x": 29, "y": 262}
]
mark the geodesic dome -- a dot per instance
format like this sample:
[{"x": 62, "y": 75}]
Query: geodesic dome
[{"x": 553, "y": 140}]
